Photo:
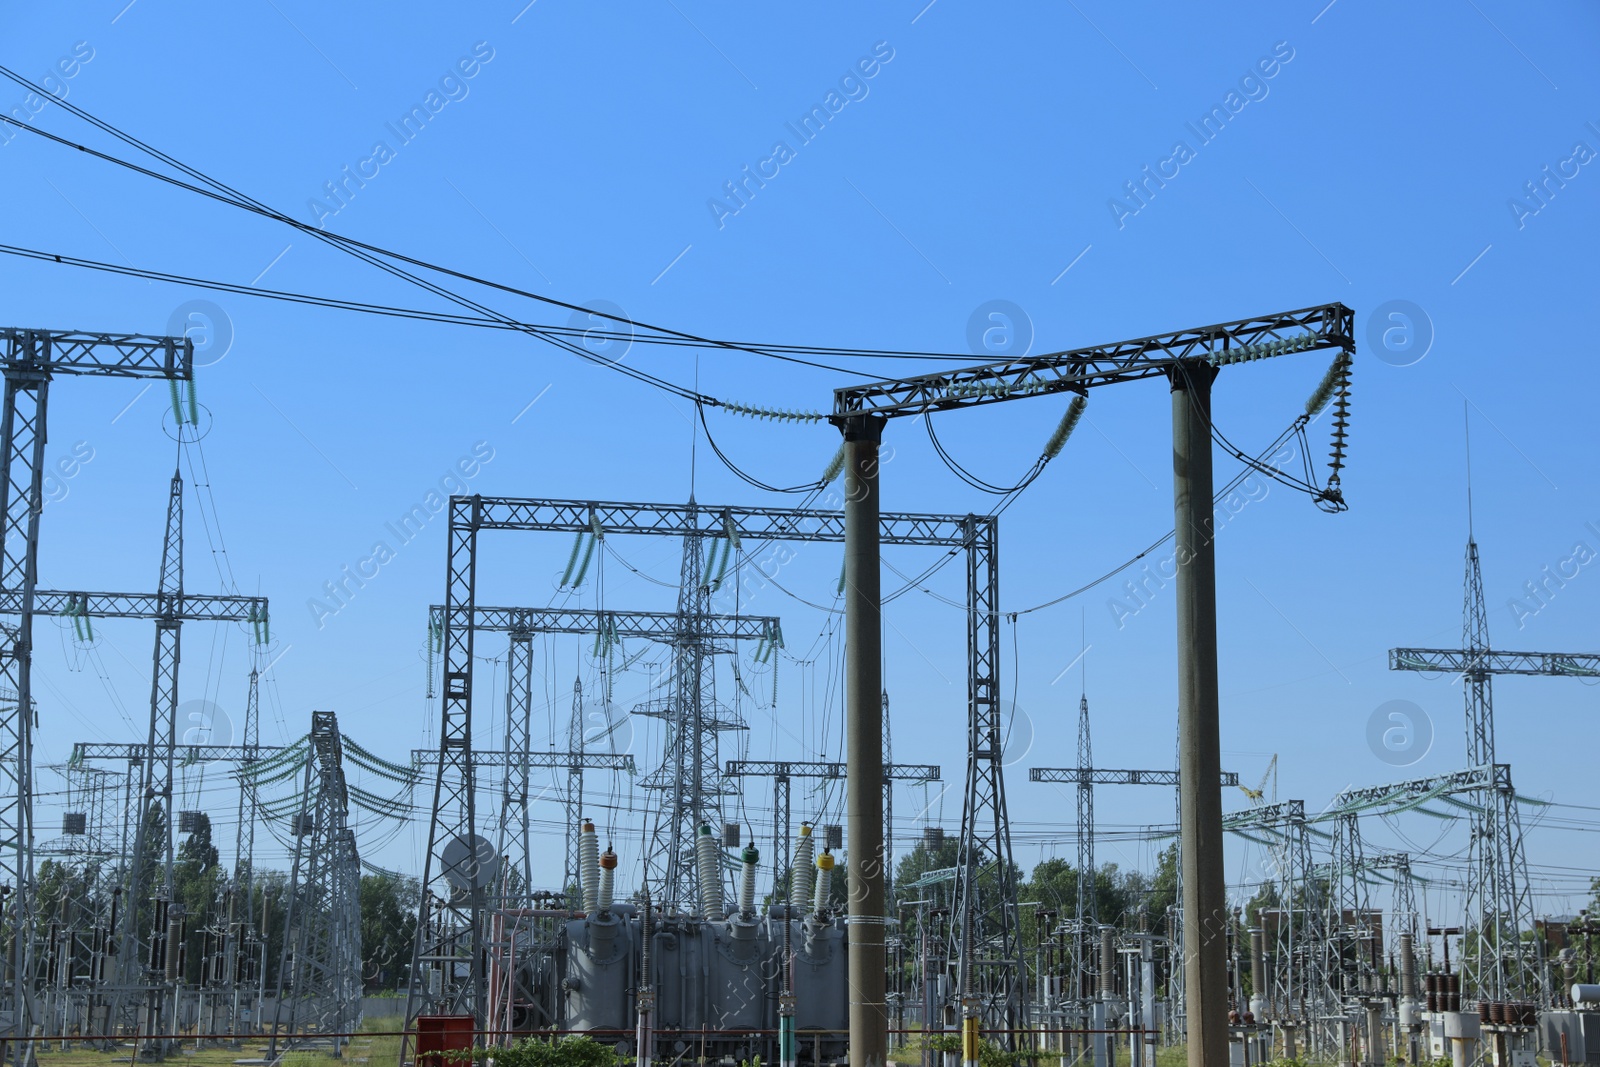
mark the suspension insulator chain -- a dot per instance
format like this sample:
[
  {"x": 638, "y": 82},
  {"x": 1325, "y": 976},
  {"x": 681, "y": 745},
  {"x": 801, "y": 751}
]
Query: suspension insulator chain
[{"x": 1341, "y": 427}]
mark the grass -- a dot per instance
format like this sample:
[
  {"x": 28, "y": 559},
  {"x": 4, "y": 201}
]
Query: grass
[{"x": 378, "y": 1051}]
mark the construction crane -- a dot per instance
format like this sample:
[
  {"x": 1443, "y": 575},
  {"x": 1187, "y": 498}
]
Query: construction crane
[{"x": 1258, "y": 794}]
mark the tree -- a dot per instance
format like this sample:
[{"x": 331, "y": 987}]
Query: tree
[
  {"x": 197, "y": 884},
  {"x": 388, "y": 923}
]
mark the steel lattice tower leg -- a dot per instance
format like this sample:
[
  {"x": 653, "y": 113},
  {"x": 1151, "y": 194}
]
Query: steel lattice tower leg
[
  {"x": 986, "y": 895},
  {"x": 690, "y": 778},
  {"x": 22, "y": 439},
  {"x": 1498, "y": 903},
  {"x": 154, "y": 809},
  {"x": 1348, "y": 924},
  {"x": 512, "y": 839},
  {"x": 781, "y": 838},
  {"x": 244, "y": 851},
  {"x": 888, "y": 812},
  {"x": 1086, "y": 911},
  {"x": 319, "y": 978},
  {"x": 574, "y": 797},
  {"x": 449, "y": 931}
]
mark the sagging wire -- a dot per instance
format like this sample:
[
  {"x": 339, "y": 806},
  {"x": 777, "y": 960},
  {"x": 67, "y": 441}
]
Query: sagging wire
[
  {"x": 1334, "y": 386},
  {"x": 806, "y": 487},
  {"x": 1053, "y": 446},
  {"x": 236, "y": 199}
]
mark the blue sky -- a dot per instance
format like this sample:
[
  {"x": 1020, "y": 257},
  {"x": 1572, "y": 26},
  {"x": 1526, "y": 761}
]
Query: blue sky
[{"x": 1369, "y": 156}]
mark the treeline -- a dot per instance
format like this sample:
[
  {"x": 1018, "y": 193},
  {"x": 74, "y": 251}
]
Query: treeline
[{"x": 78, "y": 896}]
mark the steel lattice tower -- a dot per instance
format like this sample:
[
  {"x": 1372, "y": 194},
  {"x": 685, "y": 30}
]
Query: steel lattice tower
[
  {"x": 319, "y": 975},
  {"x": 1349, "y": 928},
  {"x": 689, "y": 779},
  {"x": 1087, "y": 910},
  {"x": 574, "y": 797},
  {"x": 990, "y": 975},
  {"x": 1498, "y": 904},
  {"x": 31, "y": 358},
  {"x": 512, "y": 834}
]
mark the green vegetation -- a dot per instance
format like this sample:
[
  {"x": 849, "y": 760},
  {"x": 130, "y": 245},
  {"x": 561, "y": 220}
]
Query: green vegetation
[{"x": 534, "y": 1052}]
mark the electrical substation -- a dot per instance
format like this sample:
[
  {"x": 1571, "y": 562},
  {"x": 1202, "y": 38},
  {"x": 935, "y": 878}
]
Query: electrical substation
[
  {"x": 731, "y": 942},
  {"x": 583, "y": 847}
]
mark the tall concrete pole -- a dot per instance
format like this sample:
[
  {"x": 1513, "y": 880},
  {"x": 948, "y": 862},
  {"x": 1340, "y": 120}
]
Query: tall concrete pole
[
  {"x": 1205, "y": 918},
  {"x": 869, "y": 1020}
]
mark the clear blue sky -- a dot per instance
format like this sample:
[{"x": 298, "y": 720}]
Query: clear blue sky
[{"x": 984, "y": 159}]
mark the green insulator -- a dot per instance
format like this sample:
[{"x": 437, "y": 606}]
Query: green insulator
[{"x": 572, "y": 560}]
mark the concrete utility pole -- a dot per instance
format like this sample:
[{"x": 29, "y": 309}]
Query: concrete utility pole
[
  {"x": 869, "y": 1019},
  {"x": 1199, "y": 746}
]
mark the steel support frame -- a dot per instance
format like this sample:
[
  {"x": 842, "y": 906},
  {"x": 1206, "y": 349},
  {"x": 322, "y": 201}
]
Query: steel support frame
[
  {"x": 1188, "y": 358},
  {"x": 522, "y": 623},
  {"x": 1300, "y": 992},
  {"x": 986, "y": 891},
  {"x": 22, "y": 439},
  {"x": 320, "y": 973},
  {"x": 1085, "y": 945},
  {"x": 1499, "y": 903},
  {"x": 30, "y": 359},
  {"x": 782, "y": 771},
  {"x": 454, "y": 810}
]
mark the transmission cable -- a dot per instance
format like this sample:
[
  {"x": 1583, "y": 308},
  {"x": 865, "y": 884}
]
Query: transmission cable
[{"x": 226, "y": 194}]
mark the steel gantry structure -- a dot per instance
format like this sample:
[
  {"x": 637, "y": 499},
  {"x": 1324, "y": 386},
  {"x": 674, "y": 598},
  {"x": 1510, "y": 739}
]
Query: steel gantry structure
[
  {"x": 522, "y": 624},
  {"x": 169, "y": 607},
  {"x": 31, "y": 359},
  {"x": 1189, "y": 360},
  {"x": 783, "y": 771},
  {"x": 1086, "y": 777},
  {"x": 1499, "y": 904},
  {"x": 454, "y": 811}
]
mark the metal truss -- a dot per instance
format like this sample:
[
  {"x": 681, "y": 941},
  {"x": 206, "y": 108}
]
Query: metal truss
[
  {"x": 1085, "y": 944},
  {"x": 454, "y": 812},
  {"x": 650, "y": 625},
  {"x": 186, "y": 754},
  {"x": 244, "y": 864},
  {"x": 1468, "y": 662},
  {"x": 522, "y": 623},
  {"x": 1077, "y": 370},
  {"x": 1299, "y": 989},
  {"x": 1353, "y": 941},
  {"x": 1467, "y": 781},
  {"x": 1107, "y": 776},
  {"x": 319, "y": 974},
  {"x": 1264, "y": 816},
  {"x": 986, "y": 945},
  {"x": 104, "y": 355},
  {"x": 30, "y": 358},
  {"x": 782, "y": 771},
  {"x": 536, "y": 760},
  {"x": 688, "y": 780},
  {"x": 189, "y": 607},
  {"x": 169, "y": 607}
]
